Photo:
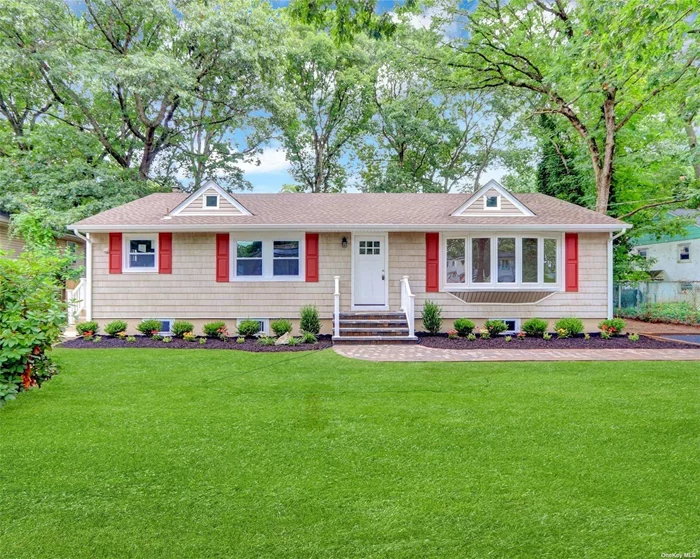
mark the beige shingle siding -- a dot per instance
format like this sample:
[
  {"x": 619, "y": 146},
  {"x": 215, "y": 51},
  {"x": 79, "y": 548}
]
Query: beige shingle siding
[
  {"x": 192, "y": 292},
  {"x": 8, "y": 243},
  {"x": 197, "y": 206},
  {"x": 477, "y": 207}
]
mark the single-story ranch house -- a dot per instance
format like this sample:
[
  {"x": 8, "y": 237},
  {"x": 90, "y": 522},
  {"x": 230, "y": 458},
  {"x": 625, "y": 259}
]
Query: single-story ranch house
[{"x": 363, "y": 260}]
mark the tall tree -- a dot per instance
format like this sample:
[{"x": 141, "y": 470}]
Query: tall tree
[
  {"x": 323, "y": 105},
  {"x": 597, "y": 64}
]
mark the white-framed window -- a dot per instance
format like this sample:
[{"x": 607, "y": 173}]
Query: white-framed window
[
  {"x": 684, "y": 252},
  {"x": 513, "y": 325},
  {"x": 268, "y": 257},
  {"x": 264, "y": 324},
  {"x": 211, "y": 201},
  {"x": 492, "y": 202},
  {"x": 166, "y": 325},
  {"x": 528, "y": 261},
  {"x": 140, "y": 253}
]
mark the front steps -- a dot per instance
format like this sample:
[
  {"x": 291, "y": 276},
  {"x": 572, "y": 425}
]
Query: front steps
[{"x": 373, "y": 327}]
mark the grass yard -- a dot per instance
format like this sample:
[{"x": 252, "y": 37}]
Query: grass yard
[{"x": 161, "y": 453}]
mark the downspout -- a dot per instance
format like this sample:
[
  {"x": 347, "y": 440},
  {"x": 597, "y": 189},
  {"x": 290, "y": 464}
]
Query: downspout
[
  {"x": 88, "y": 273},
  {"x": 610, "y": 270}
]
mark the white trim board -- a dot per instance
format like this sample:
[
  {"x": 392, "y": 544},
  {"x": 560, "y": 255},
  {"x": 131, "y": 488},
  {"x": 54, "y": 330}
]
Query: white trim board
[
  {"x": 480, "y": 195},
  {"x": 209, "y": 185}
]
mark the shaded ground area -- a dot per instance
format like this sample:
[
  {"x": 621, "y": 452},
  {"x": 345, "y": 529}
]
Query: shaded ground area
[
  {"x": 642, "y": 327},
  {"x": 212, "y": 454}
]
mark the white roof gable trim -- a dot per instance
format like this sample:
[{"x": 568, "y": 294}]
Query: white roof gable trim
[
  {"x": 207, "y": 186},
  {"x": 493, "y": 185}
]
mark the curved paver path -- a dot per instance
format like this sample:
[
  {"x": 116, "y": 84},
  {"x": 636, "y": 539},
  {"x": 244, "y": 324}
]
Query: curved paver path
[{"x": 421, "y": 353}]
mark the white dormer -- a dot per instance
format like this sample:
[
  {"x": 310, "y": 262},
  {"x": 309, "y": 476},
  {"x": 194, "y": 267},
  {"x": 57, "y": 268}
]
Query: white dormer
[
  {"x": 210, "y": 200},
  {"x": 492, "y": 200}
]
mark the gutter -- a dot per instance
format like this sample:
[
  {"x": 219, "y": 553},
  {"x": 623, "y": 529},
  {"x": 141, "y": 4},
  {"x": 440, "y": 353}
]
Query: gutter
[
  {"x": 610, "y": 268},
  {"x": 88, "y": 272}
]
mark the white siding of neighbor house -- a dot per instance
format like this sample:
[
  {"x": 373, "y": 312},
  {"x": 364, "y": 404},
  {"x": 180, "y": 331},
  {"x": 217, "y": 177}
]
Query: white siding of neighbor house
[
  {"x": 197, "y": 206},
  {"x": 191, "y": 291},
  {"x": 666, "y": 256}
]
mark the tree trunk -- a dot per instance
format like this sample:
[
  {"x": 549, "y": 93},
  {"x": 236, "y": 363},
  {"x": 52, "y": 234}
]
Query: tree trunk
[{"x": 604, "y": 172}]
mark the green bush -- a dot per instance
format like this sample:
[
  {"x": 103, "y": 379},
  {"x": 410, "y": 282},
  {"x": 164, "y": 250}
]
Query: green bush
[
  {"x": 88, "y": 329},
  {"x": 248, "y": 328},
  {"x": 535, "y": 327},
  {"x": 681, "y": 312},
  {"x": 116, "y": 327},
  {"x": 281, "y": 327},
  {"x": 266, "y": 340},
  {"x": 308, "y": 338},
  {"x": 32, "y": 316},
  {"x": 613, "y": 326},
  {"x": 569, "y": 326},
  {"x": 181, "y": 327},
  {"x": 309, "y": 320},
  {"x": 464, "y": 326},
  {"x": 432, "y": 317},
  {"x": 294, "y": 341},
  {"x": 495, "y": 327},
  {"x": 150, "y": 327},
  {"x": 216, "y": 329}
]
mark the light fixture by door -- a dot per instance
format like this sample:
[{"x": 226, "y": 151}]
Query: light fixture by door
[{"x": 344, "y": 242}]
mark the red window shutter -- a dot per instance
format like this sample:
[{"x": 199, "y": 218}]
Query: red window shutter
[
  {"x": 165, "y": 253},
  {"x": 571, "y": 251},
  {"x": 115, "y": 253},
  {"x": 432, "y": 262},
  {"x": 312, "y": 257},
  {"x": 222, "y": 250}
]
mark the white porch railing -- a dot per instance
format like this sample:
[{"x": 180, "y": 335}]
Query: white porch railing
[
  {"x": 76, "y": 300},
  {"x": 336, "y": 310},
  {"x": 408, "y": 305}
]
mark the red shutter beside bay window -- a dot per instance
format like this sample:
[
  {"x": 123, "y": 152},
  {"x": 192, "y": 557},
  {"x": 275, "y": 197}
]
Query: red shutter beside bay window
[
  {"x": 165, "y": 253},
  {"x": 312, "y": 257},
  {"x": 115, "y": 253},
  {"x": 222, "y": 258},
  {"x": 571, "y": 256},
  {"x": 432, "y": 262}
]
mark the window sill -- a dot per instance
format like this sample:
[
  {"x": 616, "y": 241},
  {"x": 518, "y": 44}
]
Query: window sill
[
  {"x": 258, "y": 279},
  {"x": 503, "y": 287},
  {"x": 139, "y": 270}
]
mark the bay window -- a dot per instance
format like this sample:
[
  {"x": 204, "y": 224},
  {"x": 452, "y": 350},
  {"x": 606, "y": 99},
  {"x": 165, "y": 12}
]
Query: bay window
[
  {"x": 266, "y": 257},
  {"x": 502, "y": 261}
]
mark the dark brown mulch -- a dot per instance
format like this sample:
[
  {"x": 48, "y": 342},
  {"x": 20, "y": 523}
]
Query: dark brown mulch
[
  {"x": 596, "y": 342},
  {"x": 107, "y": 342}
]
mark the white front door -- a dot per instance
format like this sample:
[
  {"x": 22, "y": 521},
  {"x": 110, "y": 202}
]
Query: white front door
[{"x": 369, "y": 270}]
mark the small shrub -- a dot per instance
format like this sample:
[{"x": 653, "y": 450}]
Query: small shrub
[
  {"x": 508, "y": 338},
  {"x": 586, "y": 336},
  {"x": 535, "y": 326},
  {"x": 281, "y": 327},
  {"x": 605, "y": 335},
  {"x": 471, "y": 337},
  {"x": 87, "y": 329},
  {"x": 131, "y": 339},
  {"x": 294, "y": 341},
  {"x": 181, "y": 327},
  {"x": 189, "y": 336},
  {"x": 633, "y": 337},
  {"x": 202, "y": 341},
  {"x": 521, "y": 335},
  {"x": 157, "y": 337},
  {"x": 546, "y": 336},
  {"x": 614, "y": 326},
  {"x": 484, "y": 334},
  {"x": 216, "y": 329},
  {"x": 248, "y": 328},
  {"x": 240, "y": 340},
  {"x": 167, "y": 339},
  {"x": 97, "y": 339},
  {"x": 308, "y": 338},
  {"x": 569, "y": 326},
  {"x": 266, "y": 340},
  {"x": 464, "y": 326},
  {"x": 495, "y": 327},
  {"x": 309, "y": 321},
  {"x": 453, "y": 334},
  {"x": 116, "y": 328},
  {"x": 432, "y": 317},
  {"x": 150, "y": 327}
]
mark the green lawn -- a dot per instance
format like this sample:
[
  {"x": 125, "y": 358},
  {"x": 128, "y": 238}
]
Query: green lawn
[{"x": 183, "y": 454}]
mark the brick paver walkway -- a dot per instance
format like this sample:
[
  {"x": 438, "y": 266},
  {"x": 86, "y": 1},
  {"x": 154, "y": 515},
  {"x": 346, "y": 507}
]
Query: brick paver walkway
[
  {"x": 421, "y": 353},
  {"x": 657, "y": 328}
]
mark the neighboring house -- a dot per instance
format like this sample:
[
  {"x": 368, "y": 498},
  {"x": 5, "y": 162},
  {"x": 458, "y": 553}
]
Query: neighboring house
[
  {"x": 216, "y": 256},
  {"x": 675, "y": 258}
]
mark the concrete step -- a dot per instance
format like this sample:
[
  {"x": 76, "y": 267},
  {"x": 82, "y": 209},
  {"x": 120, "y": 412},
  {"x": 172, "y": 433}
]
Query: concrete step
[
  {"x": 372, "y": 315},
  {"x": 385, "y": 323},
  {"x": 372, "y": 340},
  {"x": 374, "y": 331}
]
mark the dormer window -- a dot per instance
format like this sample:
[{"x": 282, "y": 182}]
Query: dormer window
[
  {"x": 492, "y": 202},
  {"x": 211, "y": 201}
]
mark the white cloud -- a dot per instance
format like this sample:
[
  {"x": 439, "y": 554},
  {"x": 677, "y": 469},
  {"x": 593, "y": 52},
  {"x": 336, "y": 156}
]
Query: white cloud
[{"x": 272, "y": 160}]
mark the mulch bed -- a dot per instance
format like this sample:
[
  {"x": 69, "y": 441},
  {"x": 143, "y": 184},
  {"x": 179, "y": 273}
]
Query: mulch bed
[
  {"x": 107, "y": 342},
  {"x": 441, "y": 341}
]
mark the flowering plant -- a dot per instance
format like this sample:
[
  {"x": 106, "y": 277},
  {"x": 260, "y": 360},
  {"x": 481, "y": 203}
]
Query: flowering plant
[
  {"x": 189, "y": 336},
  {"x": 484, "y": 334},
  {"x": 521, "y": 335},
  {"x": 452, "y": 334}
]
